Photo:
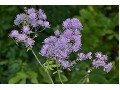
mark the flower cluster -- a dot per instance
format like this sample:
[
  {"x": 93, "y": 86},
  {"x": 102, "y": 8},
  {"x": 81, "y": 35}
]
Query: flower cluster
[
  {"x": 100, "y": 61},
  {"x": 82, "y": 56},
  {"x": 32, "y": 18},
  {"x": 63, "y": 44},
  {"x": 30, "y": 21},
  {"x": 59, "y": 46}
]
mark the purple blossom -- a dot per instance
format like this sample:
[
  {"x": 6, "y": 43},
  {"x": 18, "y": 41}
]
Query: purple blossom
[
  {"x": 105, "y": 57},
  {"x": 30, "y": 21},
  {"x": 44, "y": 50},
  {"x": 108, "y": 67},
  {"x": 73, "y": 23},
  {"x": 51, "y": 39},
  {"x": 26, "y": 29},
  {"x": 98, "y": 63},
  {"x": 41, "y": 15},
  {"x": 66, "y": 64},
  {"x": 21, "y": 37},
  {"x": 101, "y": 61},
  {"x": 77, "y": 32},
  {"x": 46, "y": 24},
  {"x": 77, "y": 43},
  {"x": 31, "y": 10},
  {"x": 98, "y": 54},
  {"x": 81, "y": 56},
  {"x": 57, "y": 33},
  {"x": 89, "y": 55},
  {"x": 76, "y": 24},
  {"x": 67, "y": 23},
  {"x": 34, "y": 23},
  {"x": 32, "y": 16},
  {"x": 19, "y": 19},
  {"x": 29, "y": 42},
  {"x": 77, "y": 69},
  {"x": 14, "y": 33},
  {"x": 68, "y": 33},
  {"x": 40, "y": 22}
]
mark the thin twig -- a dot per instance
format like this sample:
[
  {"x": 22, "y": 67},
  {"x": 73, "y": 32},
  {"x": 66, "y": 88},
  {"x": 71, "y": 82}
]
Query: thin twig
[
  {"x": 59, "y": 75},
  {"x": 83, "y": 78},
  {"x": 42, "y": 65}
]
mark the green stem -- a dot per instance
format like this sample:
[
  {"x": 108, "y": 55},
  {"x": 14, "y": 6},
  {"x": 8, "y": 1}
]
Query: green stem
[
  {"x": 59, "y": 75},
  {"x": 41, "y": 30},
  {"x": 83, "y": 78},
  {"x": 58, "y": 71},
  {"x": 42, "y": 66}
]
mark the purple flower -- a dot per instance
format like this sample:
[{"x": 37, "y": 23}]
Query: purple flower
[
  {"x": 73, "y": 23},
  {"x": 46, "y": 24},
  {"x": 14, "y": 33},
  {"x": 66, "y": 24},
  {"x": 21, "y": 37},
  {"x": 19, "y": 19},
  {"x": 77, "y": 69},
  {"x": 77, "y": 43},
  {"x": 108, "y": 67},
  {"x": 41, "y": 15},
  {"x": 66, "y": 64},
  {"x": 105, "y": 57},
  {"x": 98, "y": 63},
  {"x": 68, "y": 33},
  {"x": 57, "y": 33},
  {"x": 26, "y": 29},
  {"x": 81, "y": 56},
  {"x": 76, "y": 24},
  {"x": 77, "y": 32},
  {"x": 51, "y": 39},
  {"x": 29, "y": 42},
  {"x": 32, "y": 16},
  {"x": 44, "y": 50},
  {"x": 89, "y": 55},
  {"x": 98, "y": 54},
  {"x": 31, "y": 10},
  {"x": 34, "y": 23},
  {"x": 40, "y": 22}
]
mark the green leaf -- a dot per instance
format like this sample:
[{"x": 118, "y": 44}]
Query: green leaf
[
  {"x": 22, "y": 75},
  {"x": 110, "y": 37},
  {"x": 45, "y": 77},
  {"x": 23, "y": 81},
  {"x": 96, "y": 78},
  {"x": 116, "y": 36},
  {"x": 14, "y": 80},
  {"x": 63, "y": 77},
  {"x": 34, "y": 80}
]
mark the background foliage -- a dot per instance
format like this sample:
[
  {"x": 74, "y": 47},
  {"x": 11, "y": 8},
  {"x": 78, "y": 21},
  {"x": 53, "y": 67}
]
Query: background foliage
[{"x": 100, "y": 33}]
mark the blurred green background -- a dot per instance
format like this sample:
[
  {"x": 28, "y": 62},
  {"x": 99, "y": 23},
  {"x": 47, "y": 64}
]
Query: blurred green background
[{"x": 100, "y": 33}]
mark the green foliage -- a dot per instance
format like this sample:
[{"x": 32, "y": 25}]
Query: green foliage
[{"x": 100, "y": 33}]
